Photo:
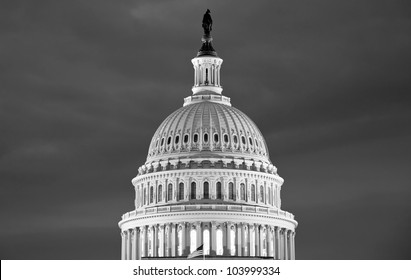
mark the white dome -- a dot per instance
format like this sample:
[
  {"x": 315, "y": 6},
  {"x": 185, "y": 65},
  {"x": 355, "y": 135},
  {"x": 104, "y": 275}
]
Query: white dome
[{"x": 208, "y": 129}]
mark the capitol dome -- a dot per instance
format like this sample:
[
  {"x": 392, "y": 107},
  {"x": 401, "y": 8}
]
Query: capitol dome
[
  {"x": 208, "y": 184},
  {"x": 208, "y": 126}
]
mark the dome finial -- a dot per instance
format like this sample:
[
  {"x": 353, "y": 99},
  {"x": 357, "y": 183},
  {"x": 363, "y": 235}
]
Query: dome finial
[
  {"x": 207, "y": 47},
  {"x": 207, "y": 23}
]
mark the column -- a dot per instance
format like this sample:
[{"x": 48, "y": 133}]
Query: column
[
  {"x": 188, "y": 239},
  {"x": 277, "y": 243},
  {"x": 257, "y": 239},
  {"x": 128, "y": 244},
  {"x": 213, "y": 234},
  {"x": 162, "y": 241},
  {"x": 123, "y": 245},
  {"x": 239, "y": 240},
  {"x": 262, "y": 240},
  {"x": 245, "y": 250},
  {"x": 167, "y": 241},
  {"x": 174, "y": 240},
  {"x": 293, "y": 242},
  {"x": 199, "y": 233},
  {"x": 143, "y": 242},
  {"x": 155, "y": 240},
  {"x": 291, "y": 245},
  {"x": 138, "y": 253},
  {"x": 183, "y": 238},
  {"x": 250, "y": 243},
  {"x": 151, "y": 252},
  {"x": 134, "y": 245},
  {"x": 286, "y": 244},
  {"x": 270, "y": 250},
  {"x": 225, "y": 250}
]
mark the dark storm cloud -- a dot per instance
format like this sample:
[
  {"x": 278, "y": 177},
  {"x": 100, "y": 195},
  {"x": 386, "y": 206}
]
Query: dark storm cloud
[{"x": 84, "y": 85}]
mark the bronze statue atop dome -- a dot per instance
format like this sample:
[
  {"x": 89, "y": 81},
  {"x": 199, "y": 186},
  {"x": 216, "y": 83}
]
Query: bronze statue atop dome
[{"x": 207, "y": 23}]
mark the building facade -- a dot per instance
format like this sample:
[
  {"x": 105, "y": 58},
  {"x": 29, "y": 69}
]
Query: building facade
[{"x": 208, "y": 180}]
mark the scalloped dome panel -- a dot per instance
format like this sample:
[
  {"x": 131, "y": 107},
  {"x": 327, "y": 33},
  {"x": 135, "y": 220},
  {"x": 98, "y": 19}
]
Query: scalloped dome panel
[{"x": 207, "y": 129}]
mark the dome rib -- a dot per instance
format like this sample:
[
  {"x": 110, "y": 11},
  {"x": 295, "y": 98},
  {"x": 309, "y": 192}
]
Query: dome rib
[{"x": 212, "y": 118}]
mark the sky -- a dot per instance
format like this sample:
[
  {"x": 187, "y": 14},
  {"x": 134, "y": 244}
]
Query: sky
[{"x": 85, "y": 84}]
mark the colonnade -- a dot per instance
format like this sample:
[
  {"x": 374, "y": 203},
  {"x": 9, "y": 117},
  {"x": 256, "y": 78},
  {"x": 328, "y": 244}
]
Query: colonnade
[{"x": 219, "y": 239}]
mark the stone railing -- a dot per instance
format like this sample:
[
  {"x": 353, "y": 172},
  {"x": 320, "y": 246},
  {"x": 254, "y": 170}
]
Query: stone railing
[{"x": 207, "y": 207}]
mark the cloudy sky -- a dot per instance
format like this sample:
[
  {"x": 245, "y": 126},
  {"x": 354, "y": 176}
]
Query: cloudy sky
[{"x": 85, "y": 84}]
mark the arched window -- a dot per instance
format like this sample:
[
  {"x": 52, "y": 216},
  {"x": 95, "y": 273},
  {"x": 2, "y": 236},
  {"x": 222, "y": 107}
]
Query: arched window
[
  {"x": 145, "y": 196},
  {"x": 262, "y": 194},
  {"x": 181, "y": 191},
  {"x": 195, "y": 138},
  {"x": 232, "y": 239},
  {"x": 243, "y": 140},
  {"x": 177, "y": 139},
  {"x": 218, "y": 190},
  {"x": 151, "y": 194},
  {"x": 225, "y": 138},
  {"x": 252, "y": 193},
  {"x": 215, "y": 138},
  {"x": 170, "y": 192},
  {"x": 169, "y": 140},
  {"x": 160, "y": 193},
  {"x": 193, "y": 240},
  {"x": 242, "y": 191},
  {"x": 186, "y": 139},
  {"x": 206, "y": 241},
  {"x": 193, "y": 190},
  {"x": 205, "y": 137},
  {"x": 231, "y": 191},
  {"x": 235, "y": 139},
  {"x": 206, "y": 191}
]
